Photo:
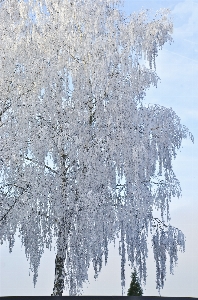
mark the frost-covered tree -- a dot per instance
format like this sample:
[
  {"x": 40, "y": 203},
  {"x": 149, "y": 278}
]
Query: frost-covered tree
[{"x": 81, "y": 157}]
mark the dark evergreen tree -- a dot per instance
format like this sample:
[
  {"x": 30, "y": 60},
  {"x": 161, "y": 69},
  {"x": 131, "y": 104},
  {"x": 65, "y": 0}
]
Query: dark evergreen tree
[{"x": 135, "y": 287}]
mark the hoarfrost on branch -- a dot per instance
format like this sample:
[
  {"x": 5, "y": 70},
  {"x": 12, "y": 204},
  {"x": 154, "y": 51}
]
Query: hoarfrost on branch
[{"x": 82, "y": 157}]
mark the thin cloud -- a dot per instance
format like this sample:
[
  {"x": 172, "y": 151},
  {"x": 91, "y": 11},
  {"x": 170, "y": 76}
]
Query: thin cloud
[
  {"x": 191, "y": 41},
  {"x": 183, "y": 56},
  {"x": 186, "y": 13}
]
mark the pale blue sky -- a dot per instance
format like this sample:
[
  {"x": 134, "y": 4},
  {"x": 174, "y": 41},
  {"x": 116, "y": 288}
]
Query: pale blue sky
[{"x": 177, "y": 66}]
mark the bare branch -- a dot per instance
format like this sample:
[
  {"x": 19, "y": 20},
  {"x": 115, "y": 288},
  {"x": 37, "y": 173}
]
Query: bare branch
[{"x": 47, "y": 167}]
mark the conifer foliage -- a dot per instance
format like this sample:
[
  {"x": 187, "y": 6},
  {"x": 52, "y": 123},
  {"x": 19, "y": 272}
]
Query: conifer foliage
[
  {"x": 82, "y": 158},
  {"x": 135, "y": 287}
]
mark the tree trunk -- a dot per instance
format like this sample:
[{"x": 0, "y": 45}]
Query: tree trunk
[
  {"x": 59, "y": 275},
  {"x": 64, "y": 228},
  {"x": 60, "y": 259}
]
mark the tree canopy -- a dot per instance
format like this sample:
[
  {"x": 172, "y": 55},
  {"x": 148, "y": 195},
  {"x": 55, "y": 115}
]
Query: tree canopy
[{"x": 82, "y": 158}]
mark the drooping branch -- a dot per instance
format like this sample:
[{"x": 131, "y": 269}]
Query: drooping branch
[
  {"x": 15, "y": 201},
  {"x": 96, "y": 135}
]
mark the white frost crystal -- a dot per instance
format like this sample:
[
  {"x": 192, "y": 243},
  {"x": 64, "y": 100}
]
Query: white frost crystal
[{"x": 81, "y": 157}]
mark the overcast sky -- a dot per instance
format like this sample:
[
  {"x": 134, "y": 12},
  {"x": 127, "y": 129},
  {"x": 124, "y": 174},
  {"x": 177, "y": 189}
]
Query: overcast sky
[{"x": 177, "y": 66}]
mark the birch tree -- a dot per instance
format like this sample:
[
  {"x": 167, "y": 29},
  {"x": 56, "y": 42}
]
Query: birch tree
[{"x": 83, "y": 159}]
